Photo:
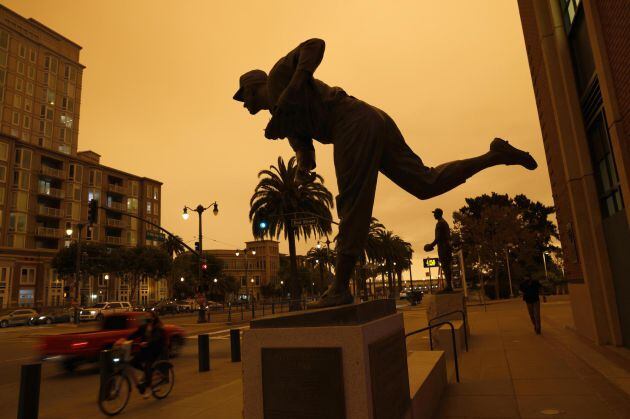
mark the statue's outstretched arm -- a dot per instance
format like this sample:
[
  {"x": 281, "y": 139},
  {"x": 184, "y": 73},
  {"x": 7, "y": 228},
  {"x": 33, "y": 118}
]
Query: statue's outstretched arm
[{"x": 304, "y": 153}]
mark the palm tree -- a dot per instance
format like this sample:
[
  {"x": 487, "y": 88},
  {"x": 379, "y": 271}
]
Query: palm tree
[
  {"x": 386, "y": 252},
  {"x": 322, "y": 258},
  {"x": 173, "y": 246},
  {"x": 278, "y": 199},
  {"x": 402, "y": 259},
  {"x": 370, "y": 252}
]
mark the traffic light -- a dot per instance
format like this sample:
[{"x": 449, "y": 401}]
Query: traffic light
[
  {"x": 93, "y": 211},
  {"x": 263, "y": 225},
  {"x": 197, "y": 246},
  {"x": 204, "y": 265}
]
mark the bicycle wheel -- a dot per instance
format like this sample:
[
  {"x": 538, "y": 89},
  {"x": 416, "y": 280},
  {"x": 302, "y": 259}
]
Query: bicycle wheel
[
  {"x": 114, "y": 395},
  {"x": 162, "y": 379}
]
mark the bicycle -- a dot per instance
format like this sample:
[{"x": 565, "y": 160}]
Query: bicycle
[{"x": 114, "y": 394}]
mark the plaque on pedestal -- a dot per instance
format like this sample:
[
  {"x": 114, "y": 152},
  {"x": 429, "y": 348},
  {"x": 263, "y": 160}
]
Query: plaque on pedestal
[{"x": 341, "y": 362}]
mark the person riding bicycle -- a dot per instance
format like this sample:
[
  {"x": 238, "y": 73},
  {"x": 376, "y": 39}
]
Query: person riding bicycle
[{"x": 152, "y": 340}]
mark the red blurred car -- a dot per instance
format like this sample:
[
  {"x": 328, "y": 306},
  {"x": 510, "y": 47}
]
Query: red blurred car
[{"x": 72, "y": 349}]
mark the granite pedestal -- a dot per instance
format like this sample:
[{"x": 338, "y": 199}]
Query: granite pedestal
[
  {"x": 341, "y": 362},
  {"x": 440, "y": 304}
]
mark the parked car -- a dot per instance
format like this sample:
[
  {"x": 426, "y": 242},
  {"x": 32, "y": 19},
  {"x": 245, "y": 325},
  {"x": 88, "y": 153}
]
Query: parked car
[
  {"x": 184, "y": 306},
  {"x": 17, "y": 317},
  {"x": 98, "y": 311},
  {"x": 213, "y": 305},
  {"x": 58, "y": 316},
  {"x": 414, "y": 297},
  {"x": 72, "y": 349},
  {"x": 139, "y": 308},
  {"x": 165, "y": 307}
]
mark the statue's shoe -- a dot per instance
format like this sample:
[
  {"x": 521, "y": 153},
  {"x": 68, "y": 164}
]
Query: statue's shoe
[
  {"x": 332, "y": 299},
  {"x": 512, "y": 154}
]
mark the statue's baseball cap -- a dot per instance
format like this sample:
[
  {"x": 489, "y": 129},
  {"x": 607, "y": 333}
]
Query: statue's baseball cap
[
  {"x": 438, "y": 211},
  {"x": 250, "y": 78}
]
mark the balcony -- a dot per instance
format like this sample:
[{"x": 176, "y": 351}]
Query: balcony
[
  {"x": 51, "y": 171},
  {"x": 49, "y": 211},
  {"x": 48, "y": 232},
  {"x": 52, "y": 192},
  {"x": 119, "y": 189},
  {"x": 112, "y": 222},
  {"x": 118, "y": 206},
  {"x": 113, "y": 240}
]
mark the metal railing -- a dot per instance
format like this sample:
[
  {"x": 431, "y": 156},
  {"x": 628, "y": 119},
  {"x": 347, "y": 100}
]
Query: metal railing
[
  {"x": 463, "y": 319},
  {"x": 113, "y": 222},
  {"x": 117, "y": 206},
  {"x": 454, "y": 342},
  {"x": 56, "y": 193},
  {"x": 48, "y": 232},
  {"x": 117, "y": 188},
  {"x": 49, "y": 211},
  {"x": 113, "y": 239},
  {"x": 54, "y": 172}
]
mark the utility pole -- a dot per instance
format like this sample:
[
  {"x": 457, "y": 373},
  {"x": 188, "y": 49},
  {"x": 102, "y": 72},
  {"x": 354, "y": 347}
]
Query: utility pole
[
  {"x": 77, "y": 275},
  {"x": 507, "y": 263},
  {"x": 200, "y": 210}
]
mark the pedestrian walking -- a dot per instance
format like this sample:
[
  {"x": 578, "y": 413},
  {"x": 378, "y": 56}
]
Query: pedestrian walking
[{"x": 530, "y": 288}]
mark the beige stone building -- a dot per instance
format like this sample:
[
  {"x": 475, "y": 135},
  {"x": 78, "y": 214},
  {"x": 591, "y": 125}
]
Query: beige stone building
[
  {"x": 46, "y": 184},
  {"x": 579, "y": 56},
  {"x": 254, "y": 266}
]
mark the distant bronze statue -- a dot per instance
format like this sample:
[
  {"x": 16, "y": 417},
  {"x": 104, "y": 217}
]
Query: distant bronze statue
[
  {"x": 366, "y": 141},
  {"x": 445, "y": 251}
]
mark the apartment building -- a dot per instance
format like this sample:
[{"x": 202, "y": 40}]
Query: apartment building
[
  {"x": 46, "y": 183},
  {"x": 254, "y": 266},
  {"x": 579, "y": 53}
]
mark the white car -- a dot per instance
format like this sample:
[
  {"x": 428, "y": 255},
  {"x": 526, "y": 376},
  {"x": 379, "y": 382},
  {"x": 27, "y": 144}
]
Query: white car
[
  {"x": 16, "y": 317},
  {"x": 101, "y": 309}
]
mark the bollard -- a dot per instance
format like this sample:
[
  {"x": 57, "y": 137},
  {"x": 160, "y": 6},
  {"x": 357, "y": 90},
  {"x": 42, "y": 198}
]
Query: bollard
[
  {"x": 235, "y": 344},
  {"x": 30, "y": 380},
  {"x": 203, "y": 344},
  {"x": 253, "y": 310},
  {"x": 229, "y": 319},
  {"x": 106, "y": 366}
]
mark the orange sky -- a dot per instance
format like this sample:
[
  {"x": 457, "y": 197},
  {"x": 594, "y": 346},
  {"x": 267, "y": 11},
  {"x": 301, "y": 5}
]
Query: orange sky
[{"x": 157, "y": 95}]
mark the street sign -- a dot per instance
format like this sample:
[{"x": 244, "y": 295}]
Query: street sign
[
  {"x": 304, "y": 221},
  {"x": 431, "y": 262}
]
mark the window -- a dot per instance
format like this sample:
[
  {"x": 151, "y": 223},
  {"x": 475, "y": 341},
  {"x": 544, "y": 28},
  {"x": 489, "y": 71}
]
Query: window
[
  {"x": 132, "y": 205},
  {"x": 17, "y": 101},
  {"x": 50, "y": 97},
  {"x": 155, "y": 209},
  {"x": 134, "y": 188},
  {"x": 20, "y": 67},
  {"x": 4, "y": 39},
  {"x": 27, "y": 276},
  {"x": 50, "y": 64},
  {"x": 155, "y": 192},
  {"x": 17, "y": 240},
  {"x": 1, "y": 197},
  {"x": 149, "y": 191},
  {"x": 32, "y": 55},
  {"x": 3, "y": 173},
  {"x": 27, "y": 122},
  {"x": 31, "y": 72},
  {"x": 28, "y": 105},
  {"x": 149, "y": 207},
  {"x": 15, "y": 119},
  {"x": 3, "y": 58},
  {"x": 67, "y": 104},
  {"x": 21, "y": 179},
  {"x": 94, "y": 194},
  {"x": 604, "y": 167},
  {"x": 17, "y": 222},
  {"x": 66, "y": 120},
  {"x": 76, "y": 193},
  {"x": 4, "y": 151},
  {"x": 27, "y": 297},
  {"x": 20, "y": 201},
  {"x": 22, "y": 51},
  {"x": 19, "y": 84},
  {"x": 23, "y": 158},
  {"x": 30, "y": 88},
  {"x": 70, "y": 73}
]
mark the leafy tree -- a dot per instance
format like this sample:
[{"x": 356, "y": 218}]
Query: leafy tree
[
  {"x": 141, "y": 262},
  {"x": 490, "y": 226},
  {"x": 276, "y": 200},
  {"x": 186, "y": 266}
]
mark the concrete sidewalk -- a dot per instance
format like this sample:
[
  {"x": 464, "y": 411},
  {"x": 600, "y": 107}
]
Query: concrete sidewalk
[{"x": 510, "y": 372}]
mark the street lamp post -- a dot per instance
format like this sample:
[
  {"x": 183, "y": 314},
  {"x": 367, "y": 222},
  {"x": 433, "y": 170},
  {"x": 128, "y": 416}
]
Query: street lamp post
[
  {"x": 200, "y": 209},
  {"x": 545, "y": 265},
  {"x": 77, "y": 269},
  {"x": 253, "y": 252},
  {"x": 507, "y": 264}
]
